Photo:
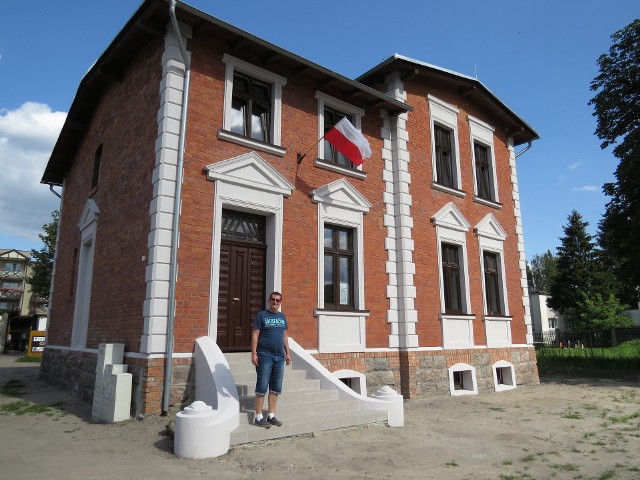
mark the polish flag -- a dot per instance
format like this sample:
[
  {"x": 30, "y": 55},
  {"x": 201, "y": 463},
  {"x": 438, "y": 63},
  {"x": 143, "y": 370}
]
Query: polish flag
[{"x": 348, "y": 140}]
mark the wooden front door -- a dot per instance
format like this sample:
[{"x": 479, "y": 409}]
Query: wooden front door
[{"x": 242, "y": 279}]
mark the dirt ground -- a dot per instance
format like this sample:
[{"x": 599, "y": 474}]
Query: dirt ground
[{"x": 564, "y": 428}]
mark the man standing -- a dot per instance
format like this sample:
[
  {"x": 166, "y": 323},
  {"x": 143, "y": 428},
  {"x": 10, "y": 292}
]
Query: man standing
[{"x": 269, "y": 353}]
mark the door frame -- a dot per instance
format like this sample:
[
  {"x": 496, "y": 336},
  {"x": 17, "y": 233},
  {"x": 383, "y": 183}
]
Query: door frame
[{"x": 249, "y": 184}]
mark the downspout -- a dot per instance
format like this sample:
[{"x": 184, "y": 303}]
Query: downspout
[
  {"x": 523, "y": 150},
  {"x": 175, "y": 234},
  {"x": 54, "y": 192}
]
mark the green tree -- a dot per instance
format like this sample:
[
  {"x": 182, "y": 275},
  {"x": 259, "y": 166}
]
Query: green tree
[
  {"x": 603, "y": 313},
  {"x": 574, "y": 276},
  {"x": 617, "y": 110},
  {"x": 42, "y": 260},
  {"x": 541, "y": 271}
]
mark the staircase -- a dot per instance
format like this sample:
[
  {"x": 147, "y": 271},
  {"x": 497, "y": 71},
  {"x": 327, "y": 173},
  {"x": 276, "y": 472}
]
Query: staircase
[{"x": 303, "y": 407}]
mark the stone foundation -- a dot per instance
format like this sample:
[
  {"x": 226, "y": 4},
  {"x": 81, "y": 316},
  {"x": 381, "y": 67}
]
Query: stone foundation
[
  {"x": 413, "y": 373},
  {"x": 75, "y": 372}
]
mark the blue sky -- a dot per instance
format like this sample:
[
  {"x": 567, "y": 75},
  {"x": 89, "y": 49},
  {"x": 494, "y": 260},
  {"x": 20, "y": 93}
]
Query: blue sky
[{"x": 538, "y": 57}]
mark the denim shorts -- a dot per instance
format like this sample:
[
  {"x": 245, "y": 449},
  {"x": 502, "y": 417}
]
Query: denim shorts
[{"x": 270, "y": 370}]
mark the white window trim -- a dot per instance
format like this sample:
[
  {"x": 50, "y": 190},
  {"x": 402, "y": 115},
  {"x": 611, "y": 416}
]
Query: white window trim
[
  {"x": 88, "y": 228},
  {"x": 501, "y": 387},
  {"x": 339, "y": 203},
  {"x": 451, "y": 227},
  {"x": 344, "y": 107},
  {"x": 491, "y": 237},
  {"x": 471, "y": 373},
  {"x": 276, "y": 81},
  {"x": 482, "y": 133},
  {"x": 445, "y": 115}
]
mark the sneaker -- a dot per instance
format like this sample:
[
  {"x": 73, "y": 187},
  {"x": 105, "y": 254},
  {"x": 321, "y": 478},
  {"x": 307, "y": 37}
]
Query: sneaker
[
  {"x": 274, "y": 421},
  {"x": 262, "y": 423}
]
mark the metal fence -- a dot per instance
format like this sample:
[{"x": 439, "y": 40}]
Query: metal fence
[{"x": 570, "y": 339}]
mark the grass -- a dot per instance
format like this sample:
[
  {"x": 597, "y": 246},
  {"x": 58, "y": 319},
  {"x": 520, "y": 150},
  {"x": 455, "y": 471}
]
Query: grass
[
  {"x": 26, "y": 359},
  {"x": 13, "y": 388},
  {"x": 624, "y": 357},
  {"x": 571, "y": 414},
  {"x": 22, "y": 407}
]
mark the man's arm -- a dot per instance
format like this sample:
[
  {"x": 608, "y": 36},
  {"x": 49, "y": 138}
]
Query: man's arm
[
  {"x": 254, "y": 346},
  {"x": 287, "y": 355}
]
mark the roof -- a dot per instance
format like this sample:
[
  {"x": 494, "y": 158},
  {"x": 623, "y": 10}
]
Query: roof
[
  {"x": 466, "y": 86},
  {"x": 148, "y": 23}
]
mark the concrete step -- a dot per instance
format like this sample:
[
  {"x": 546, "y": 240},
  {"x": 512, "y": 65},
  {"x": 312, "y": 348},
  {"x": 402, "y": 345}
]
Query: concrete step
[
  {"x": 288, "y": 385},
  {"x": 304, "y": 407},
  {"x": 249, "y": 378},
  {"x": 247, "y": 432},
  {"x": 297, "y": 410},
  {"x": 293, "y": 398}
]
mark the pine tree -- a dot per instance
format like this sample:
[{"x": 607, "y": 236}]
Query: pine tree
[
  {"x": 42, "y": 260},
  {"x": 574, "y": 276}
]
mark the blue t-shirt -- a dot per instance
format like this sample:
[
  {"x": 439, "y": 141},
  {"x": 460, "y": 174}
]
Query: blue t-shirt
[{"x": 272, "y": 327}]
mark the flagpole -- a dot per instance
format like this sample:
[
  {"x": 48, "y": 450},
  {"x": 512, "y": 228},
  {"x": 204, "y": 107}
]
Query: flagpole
[{"x": 300, "y": 157}]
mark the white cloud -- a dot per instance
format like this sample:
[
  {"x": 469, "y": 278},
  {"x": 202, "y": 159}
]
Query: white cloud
[
  {"x": 27, "y": 136},
  {"x": 574, "y": 165},
  {"x": 587, "y": 188}
]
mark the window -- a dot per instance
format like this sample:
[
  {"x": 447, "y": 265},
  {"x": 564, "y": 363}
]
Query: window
[
  {"x": 331, "y": 117},
  {"x": 341, "y": 310},
  {"x": 445, "y": 163},
  {"x": 483, "y": 171},
  {"x": 252, "y": 106},
  {"x": 492, "y": 284},
  {"x": 11, "y": 284},
  {"x": 491, "y": 238},
  {"x": 484, "y": 164},
  {"x": 338, "y": 267},
  {"x": 97, "y": 159},
  {"x": 451, "y": 278},
  {"x": 330, "y": 111},
  {"x": 504, "y": 377},
  {"x": 445, "y": 152},
  {"x": 12, "y": 267},
  {"x": 462, "y": 380}
]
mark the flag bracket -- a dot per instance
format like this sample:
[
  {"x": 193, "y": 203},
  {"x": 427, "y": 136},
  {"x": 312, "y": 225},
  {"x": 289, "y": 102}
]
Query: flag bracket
[{"x": 300, "y": 156}]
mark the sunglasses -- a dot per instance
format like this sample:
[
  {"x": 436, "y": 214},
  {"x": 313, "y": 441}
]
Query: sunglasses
[{"x": 277, "y": 300}]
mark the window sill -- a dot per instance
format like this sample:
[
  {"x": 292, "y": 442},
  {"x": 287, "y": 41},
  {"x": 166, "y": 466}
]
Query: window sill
[
  {"x": 488, "y": 203},
  {"x": 337, "y": 168},
  {"x": 342, "y": 313},
  {"x": 499, "y": 318},
  {"x": 457, "y": 316},
  {"x": 445, "y": 189},
  {"x": 251, "y": 143}
]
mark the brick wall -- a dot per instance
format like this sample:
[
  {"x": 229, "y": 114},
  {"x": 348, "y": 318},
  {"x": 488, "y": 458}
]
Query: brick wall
[
  {"x": 427, "y": 201},
  {"x": 123, "y": 124}
]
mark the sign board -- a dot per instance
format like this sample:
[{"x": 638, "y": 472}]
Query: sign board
[{"x": 37, "y": 340}]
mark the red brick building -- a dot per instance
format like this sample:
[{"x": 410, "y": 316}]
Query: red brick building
[{"x": 409, "y": 269}]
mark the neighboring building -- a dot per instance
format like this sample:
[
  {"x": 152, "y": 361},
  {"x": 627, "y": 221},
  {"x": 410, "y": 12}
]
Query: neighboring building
[
  {"x": 24, "y": 311},
  {"x": 409, "y": 269},
  {"x": 547, "y": 323}
]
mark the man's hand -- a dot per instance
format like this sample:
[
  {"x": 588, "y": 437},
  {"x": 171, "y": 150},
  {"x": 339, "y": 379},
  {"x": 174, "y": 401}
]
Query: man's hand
[
  {"x": 287, "y": 358},
  {"x": 254, "y": 358}
]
